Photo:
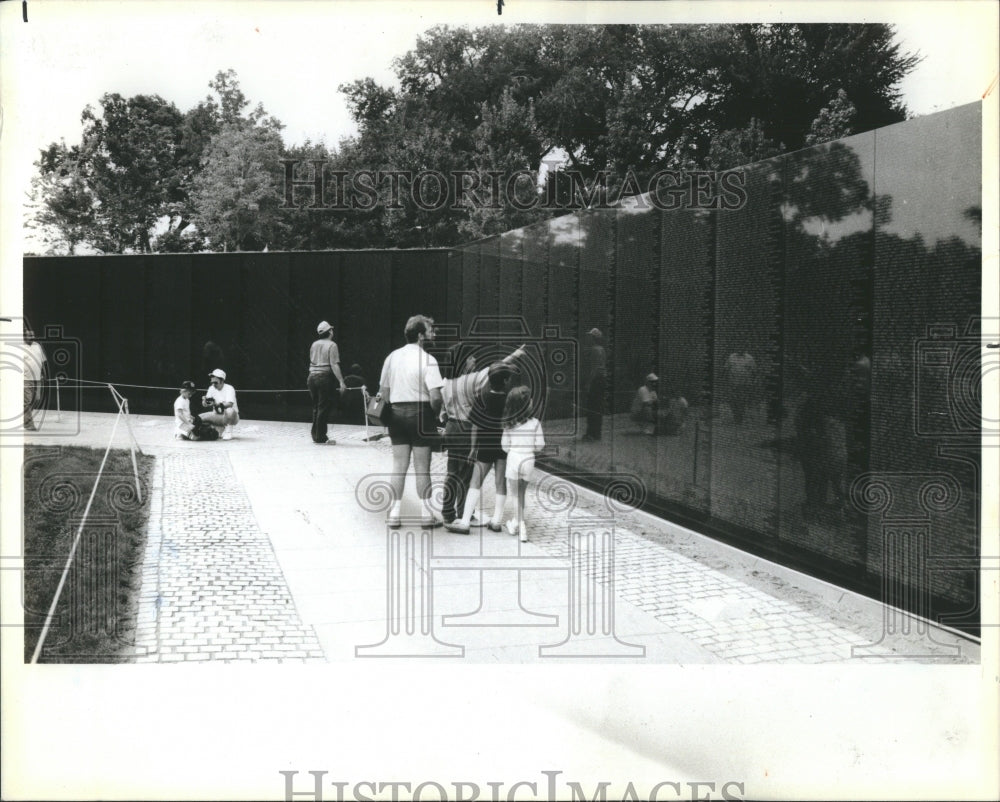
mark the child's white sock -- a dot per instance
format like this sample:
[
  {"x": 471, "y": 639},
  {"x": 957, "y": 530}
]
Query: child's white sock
[{"x": 471, "y": 500}]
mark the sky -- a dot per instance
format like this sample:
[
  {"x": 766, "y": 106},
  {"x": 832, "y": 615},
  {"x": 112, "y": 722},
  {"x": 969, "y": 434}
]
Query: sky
[{"x": 292, "y": 56}]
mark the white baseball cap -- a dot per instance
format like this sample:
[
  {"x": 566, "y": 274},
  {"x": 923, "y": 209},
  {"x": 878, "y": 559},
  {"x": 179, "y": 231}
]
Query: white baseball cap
[
  {"x": 323, "y": 327},
  {"x": 218, "y": 374}
]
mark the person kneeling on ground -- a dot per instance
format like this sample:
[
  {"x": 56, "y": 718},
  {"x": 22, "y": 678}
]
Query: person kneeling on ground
[{"x": 222, "y": 398}]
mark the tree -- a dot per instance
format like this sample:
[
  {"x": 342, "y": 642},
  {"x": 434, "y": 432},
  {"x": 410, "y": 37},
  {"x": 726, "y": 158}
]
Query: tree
[
  {"x": 127, "y": 186},
  {"x": 834, "y": 121},
  {"x": 784, "y": 75},
  {"x": 620, "y": 100},
  {"x": 236, "y": 194},
  {"x": 61, "y": 207},
  {"x": 110, "y": 191}
]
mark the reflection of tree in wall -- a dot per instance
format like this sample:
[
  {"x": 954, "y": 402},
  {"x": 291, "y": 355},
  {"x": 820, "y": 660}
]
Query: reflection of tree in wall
[
  {"x": 864, "y": 294},
  {"x": 828, "y": 285}
]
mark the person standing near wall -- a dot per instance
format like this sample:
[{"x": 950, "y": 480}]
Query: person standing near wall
[
  {"x": 35, "y": 370},
  {"x": 324, "y": 365},
  {"x": 411, "y": 387},
  {"x": 459, "y": 395}
]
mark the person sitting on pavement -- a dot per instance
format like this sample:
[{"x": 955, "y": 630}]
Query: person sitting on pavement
[{"x": 221, "y": 397}]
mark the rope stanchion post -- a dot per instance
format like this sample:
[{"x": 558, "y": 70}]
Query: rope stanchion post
[
  {"x": 122, "y": 402},
  {"x": 133, "y": 446},
  {"x": 364, "y": 411}
]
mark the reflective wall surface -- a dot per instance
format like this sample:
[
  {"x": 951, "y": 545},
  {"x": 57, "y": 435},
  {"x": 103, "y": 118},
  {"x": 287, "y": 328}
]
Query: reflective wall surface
[
  {"x": 816, "y": 352},
  {"x": 789, "y": 339}
]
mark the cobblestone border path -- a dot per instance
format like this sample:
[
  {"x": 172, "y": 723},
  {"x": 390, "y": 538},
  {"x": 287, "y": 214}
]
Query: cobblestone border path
[{"x": 212, "y": 588}]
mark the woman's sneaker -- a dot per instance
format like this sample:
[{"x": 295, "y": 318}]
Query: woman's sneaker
[{"x": 524, "y": 533}]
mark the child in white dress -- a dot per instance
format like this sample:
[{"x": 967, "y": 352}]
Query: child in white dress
[{"x": 522, "y": 439}]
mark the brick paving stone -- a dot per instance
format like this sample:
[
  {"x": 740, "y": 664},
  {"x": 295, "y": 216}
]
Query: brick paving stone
[
  {"x": 198, "y": 552},
  {"x": 211, "y": 574}
]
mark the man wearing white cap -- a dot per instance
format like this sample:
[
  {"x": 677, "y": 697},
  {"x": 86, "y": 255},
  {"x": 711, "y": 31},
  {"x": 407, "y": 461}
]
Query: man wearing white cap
[
  {"x": 324, "y": 365},
  {"x": 222, "y": 398}
]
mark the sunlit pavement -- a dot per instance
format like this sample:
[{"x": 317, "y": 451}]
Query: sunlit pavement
[{"x": 270, "y": 548}]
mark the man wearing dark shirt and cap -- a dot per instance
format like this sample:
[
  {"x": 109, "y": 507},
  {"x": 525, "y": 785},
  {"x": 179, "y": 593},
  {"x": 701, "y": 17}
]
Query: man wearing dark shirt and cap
[{"x": 324, "y": 365}]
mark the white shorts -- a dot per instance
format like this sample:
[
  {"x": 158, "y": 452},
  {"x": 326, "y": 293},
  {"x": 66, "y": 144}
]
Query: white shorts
[{"x": 520, "y": 466}]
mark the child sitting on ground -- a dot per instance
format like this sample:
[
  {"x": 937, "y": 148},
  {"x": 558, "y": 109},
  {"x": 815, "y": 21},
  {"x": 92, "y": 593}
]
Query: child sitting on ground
[
  {"x": 190, "y": 427},
  {"x": 185, "y": 428}
]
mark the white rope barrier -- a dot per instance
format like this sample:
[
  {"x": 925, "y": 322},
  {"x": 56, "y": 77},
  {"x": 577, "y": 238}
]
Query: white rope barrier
[
  {"x": 122, "y": 404},
  {"x": 95, "y": 385}
]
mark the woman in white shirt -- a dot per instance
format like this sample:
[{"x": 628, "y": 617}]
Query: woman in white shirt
[{"x": 411, "y": 383}]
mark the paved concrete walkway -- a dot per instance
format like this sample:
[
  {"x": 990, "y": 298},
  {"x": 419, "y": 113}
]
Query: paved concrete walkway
[{"x": 269, "y": 548}]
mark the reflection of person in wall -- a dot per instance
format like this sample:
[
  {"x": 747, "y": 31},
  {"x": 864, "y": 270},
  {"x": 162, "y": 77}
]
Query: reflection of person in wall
[
  {"x": 352, "y": 406},
  {"x": 211, "y": 355},
  {"x": 593, "y": 400},
  {"x": 673, "y": 419},
  {"x": 646, "y": 404},
  {"x": 355, "y": 378},
  {"x": 856, "y": 414},
  {"x": 740, "y": 375},
  {"x": 815, "y": 449}
]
